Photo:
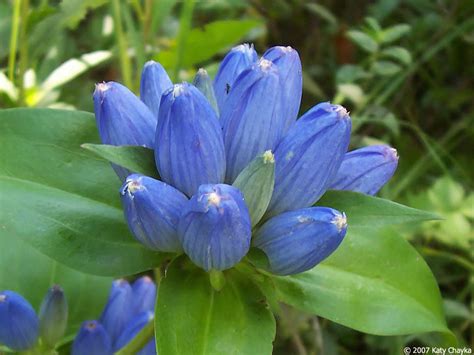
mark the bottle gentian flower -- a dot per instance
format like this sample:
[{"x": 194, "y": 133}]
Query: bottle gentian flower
[
  {"x": 252, "y": 119},
  {"x": 118, "y": 310},
  {"x": 144, "y": 295},
  {"x": 189, "y": 149},
  {"x": 203, "y": 82},
  {"x": 19, "y": 325},
  {"x": 296, "y": 241},
  {"x": 152, "y": 209},
  {"x": 215, "y": 228},
  {"x": 53, "y": 316},
  {"x": 154, "y": 82},
  {"x": 92, "y": 339},
  {"x": 366, "y": 170},
  {"x": 132, "y": 329},
  {"x": 234, "y": 63}
]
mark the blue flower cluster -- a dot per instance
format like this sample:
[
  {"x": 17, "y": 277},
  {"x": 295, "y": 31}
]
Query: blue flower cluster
[
  {"x": 21, "y": 328},
  {"x": 128, "y": 310},
  {"x": 204, "y": 135}
]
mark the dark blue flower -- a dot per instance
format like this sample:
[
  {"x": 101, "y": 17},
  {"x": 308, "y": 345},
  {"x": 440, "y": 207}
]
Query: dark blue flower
[
  {"x": 132, "y": 329},
  {"x": 189, "y": 147},
  {"x": 214, "y": 228},
  {"x": 152, "y": 210},
  {"x": 308, "y": 157},
  {"x": 144, "y": 295},
  {"x": 53, "y": 316},
  {"x": 92, "y": 339},
  {"x": 296, "y": 241},
  {"x": 19, "y": 324},
  {"x": 234, "y": 63},
  {"x": 118, "y": 310},
  {"x": 291, "y": 79},
  {"x": 366, "y": 170},
  {"x": 252, "y": 118},
  {"x": 154, "y": 82}
]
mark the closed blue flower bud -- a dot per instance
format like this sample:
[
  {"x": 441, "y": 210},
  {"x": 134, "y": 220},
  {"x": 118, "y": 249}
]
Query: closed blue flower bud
[
  {"x": 18, "y": 322},
  {"x": 203, "y": 82},
  {"x": 235, "y": 62},
  {"x": 366, "y": 170},
  {"x": 144, "y": 295},
  {"x": 122, "y": 119},
  {"x": 154, "y": 82},
  {"x": 296, "y": 241},
  {"x": 291, "y": 78},
  {"x": 118, "y": 310},
  {"x": 152, "y": 210},
  {"x": 252, "y": 118},
  {"x": 92, "y": 339},
  {"x": 149, "y": 348},
  {"x": 133, "y": 328},
  {"x": 53, "y": 316},
  {"x": 214, "y": 228},
  {"x": 308, "y": 157},
  {"x": 189, "y": 146}
]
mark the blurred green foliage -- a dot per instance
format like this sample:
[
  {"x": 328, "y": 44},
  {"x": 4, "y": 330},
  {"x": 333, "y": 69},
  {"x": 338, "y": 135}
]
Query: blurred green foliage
[{"x": 404, "y": 68}]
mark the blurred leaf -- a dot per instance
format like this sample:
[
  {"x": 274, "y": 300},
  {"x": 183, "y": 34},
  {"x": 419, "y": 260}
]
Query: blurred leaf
[
  {"x": 373, "y": 24},
  {"x": 322, "y": 12},
  {"x": 394, "y": 33},
  {"x": 370, "y": 211},
  {"x": 203, "y": 43},
  {"x": 455, "y": 309},
  {"x": 385, "y": 68},
  {"x": 73, "y": 11},
  {"x": 85, "y": 294},
  {"x": 375, "y": 282},
  {"x": 398, "y": 53},
  {"x": 363, "y": 40},
  {"x": 351, "y": 91},
  {"x": 446, "y": 194},
  {"x": 196, "y": 319},
  {"x": 134, "y": 158},
  {"x": 61, "y": 201},
  {"x": 350, "y": 73}
]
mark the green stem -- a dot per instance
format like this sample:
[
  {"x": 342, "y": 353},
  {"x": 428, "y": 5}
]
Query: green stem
[
  {"x": 184, "y": 28},
  {"x": 14, "y": 39},
  {"x": 448, "y": 256},
  {"x": 25, "y": 7},
  {"x": 125, "y": 63},
  {"x": 139, "y": 341}
]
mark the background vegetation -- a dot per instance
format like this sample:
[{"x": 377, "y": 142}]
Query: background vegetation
[{"x": 404, "y": 68}]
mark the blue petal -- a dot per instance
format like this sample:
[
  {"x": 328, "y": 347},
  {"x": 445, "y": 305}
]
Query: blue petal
[
  {"x": 291, "y": 78},
  {"x": 203, "y": 82},
  {"x": 154, "y": 82},
  {"x": 309, "y": 156},
  {"x": 92, "y": 339},
  {"x": 18, "y": 322},
  {"x": 296, "y": 241},
  {"x": 252, "y": 118},
  {"x": 144, "y": 295},
  {"x": 189, "y": 146},
  {"x": 366, "y": 170},
  {"x": 149, "y": 348},
  {"x": 53, "y": 316},
  {"x": 214, "y": 228},
  {"x": 152, "y": 210},
  {"x": 118, "y": 310},
  {"x": 132, "y": 329},
  {"x": 234, "y": 63}
]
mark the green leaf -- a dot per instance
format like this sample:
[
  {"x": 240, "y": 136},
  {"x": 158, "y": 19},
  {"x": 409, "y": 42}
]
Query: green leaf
[
  {"x": 385, "y": 68},
  {"x": 134, "y": 158},
  {"x": 363, "y": 40},
  {"x": 375, "y": 282},
  {"x": 323, "y": 12},
  {"x": 256, "y": 182},
  {"x": 372, "y": 212},
  {"x": 393, "y": 33},
  {"x": 349, "y": 73},
  {"x": 61, "y": 201},
  {"x": 398, "y": 53},
  {"x": 30, "y": 273},
  {"x": 193, "y": 318},
  {"x": 203, "y": 43}
]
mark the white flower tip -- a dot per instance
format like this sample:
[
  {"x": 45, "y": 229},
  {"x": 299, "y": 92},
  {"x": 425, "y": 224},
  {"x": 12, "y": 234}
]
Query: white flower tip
[
  {"x": 3, "y": 298},
  {"x": 178, "y": 89},
  {"x": 213, "y": 199},
  {"x": 265, "y": 64},
  {"x": 268, "y": 157},
  {"x": 340, "y": 221}
]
